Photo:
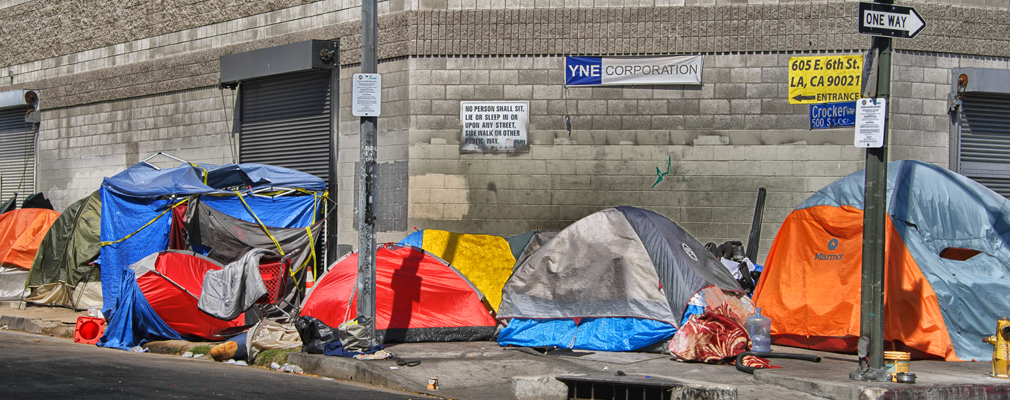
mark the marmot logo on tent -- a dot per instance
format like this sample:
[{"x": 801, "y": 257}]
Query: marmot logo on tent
[
  {"x": 832, "y": 244},
  {"x": 828, "y": 257},
  {"x": 690, "y": 253}
]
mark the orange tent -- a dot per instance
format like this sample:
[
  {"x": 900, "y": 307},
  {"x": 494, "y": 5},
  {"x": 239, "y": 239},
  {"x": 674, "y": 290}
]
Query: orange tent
[
  {"x": 21, "y": 232},
  {"x": 946, "y": 274}
]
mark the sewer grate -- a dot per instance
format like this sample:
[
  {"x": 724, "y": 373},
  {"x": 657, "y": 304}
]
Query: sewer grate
[{"x": 610, "y": 387}]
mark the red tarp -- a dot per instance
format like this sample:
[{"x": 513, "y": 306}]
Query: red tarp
[{"x": 176, "y": 307}]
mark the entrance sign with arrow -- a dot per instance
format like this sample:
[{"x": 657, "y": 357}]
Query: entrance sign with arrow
[
  {"x": 889, "y": 20},
  {"x": 825, "y": 79}
]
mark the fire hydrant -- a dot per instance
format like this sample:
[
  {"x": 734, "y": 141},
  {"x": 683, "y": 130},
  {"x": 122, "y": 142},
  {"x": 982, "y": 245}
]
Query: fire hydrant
[{"x": 1001, "y": 349}]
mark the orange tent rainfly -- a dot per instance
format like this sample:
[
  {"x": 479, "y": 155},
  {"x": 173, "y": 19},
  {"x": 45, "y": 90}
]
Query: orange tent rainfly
[{"x": 21, "y": 232}]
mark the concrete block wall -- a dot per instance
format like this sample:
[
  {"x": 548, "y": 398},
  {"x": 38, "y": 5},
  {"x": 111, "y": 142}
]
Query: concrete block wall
[
  {"x": 710, "y": 190},
  {"x": 79, "y": 146},
  {"x": 485, "y": 4},
  {"x": 921, "y": 81},
  {"x": 722, "y": 141}
]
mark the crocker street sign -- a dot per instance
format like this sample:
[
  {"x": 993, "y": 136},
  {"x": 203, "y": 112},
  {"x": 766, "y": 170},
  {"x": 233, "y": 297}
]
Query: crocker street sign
[
  {"x": 825, "y": 79},
  {"x": 889, "y": 20}
]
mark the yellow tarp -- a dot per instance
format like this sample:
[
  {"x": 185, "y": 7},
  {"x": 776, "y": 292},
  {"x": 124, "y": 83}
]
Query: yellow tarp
[{"x": 484, "y": 259}]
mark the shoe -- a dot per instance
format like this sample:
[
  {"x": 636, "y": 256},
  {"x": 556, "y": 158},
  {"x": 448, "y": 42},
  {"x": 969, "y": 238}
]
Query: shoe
[{"x": 223, "y": 351}]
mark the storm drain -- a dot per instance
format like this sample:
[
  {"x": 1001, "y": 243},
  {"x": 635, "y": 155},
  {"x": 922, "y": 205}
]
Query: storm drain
[{"x": 610, "y": 387}]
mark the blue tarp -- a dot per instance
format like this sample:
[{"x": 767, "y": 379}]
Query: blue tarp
[
  {"x": 138, "y": 195},
  {"x": 415, "y": 239},
  {"x": 276, "y": 212},
  {"x": 122, "y": 216},
  {"x": 134, "y": 322},
  {"x": 589, "y": 334},
  {"x": 143, "y": 180}
]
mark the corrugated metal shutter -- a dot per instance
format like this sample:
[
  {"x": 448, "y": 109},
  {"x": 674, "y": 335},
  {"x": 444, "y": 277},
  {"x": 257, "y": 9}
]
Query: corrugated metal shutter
[
  {"x": 985, "y": 140},
  {"x": 285, "y": 121},
  {"x": 17, "y": 154}
]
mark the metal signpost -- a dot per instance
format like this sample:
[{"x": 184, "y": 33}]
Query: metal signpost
[
  {"x": 366, "y": 178},
  {"x": 885, "y": 21}
]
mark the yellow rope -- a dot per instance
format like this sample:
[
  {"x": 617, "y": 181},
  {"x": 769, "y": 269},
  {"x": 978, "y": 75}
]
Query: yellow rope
[
  {"x": 103, "y": 244},
  {"x": 312, "y": 258},
  {"x": 202, "y": 169},
  {"x": 279, "y": 249}
]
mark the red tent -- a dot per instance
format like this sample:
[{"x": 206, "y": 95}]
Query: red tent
[
  {"x": 419, "y": 298},
  {"x": 171, "y": 283}
]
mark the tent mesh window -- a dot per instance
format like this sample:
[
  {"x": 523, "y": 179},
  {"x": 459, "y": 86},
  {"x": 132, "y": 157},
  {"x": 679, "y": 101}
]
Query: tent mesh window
[
  {"x": 285, "y": 121},
  {"x": 17, "y": 154},
  {"x": 984, "y": 146}
]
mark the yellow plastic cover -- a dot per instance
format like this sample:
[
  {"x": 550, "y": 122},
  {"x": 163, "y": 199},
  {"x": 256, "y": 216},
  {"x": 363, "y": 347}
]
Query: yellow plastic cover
[{"x": 484, "y": 259}]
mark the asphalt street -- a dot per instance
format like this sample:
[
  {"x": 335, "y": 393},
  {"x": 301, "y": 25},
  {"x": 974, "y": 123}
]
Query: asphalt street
[{"x": 39, "y": 367}]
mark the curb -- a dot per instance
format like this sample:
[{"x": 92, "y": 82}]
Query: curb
[
  {"x": 36, "y": 325},
  {"x": 838, "y": 391},
  {"x": 348, "y": 369}
]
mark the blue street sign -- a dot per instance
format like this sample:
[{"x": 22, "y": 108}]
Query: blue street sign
[{"x": 832, "y": 115}]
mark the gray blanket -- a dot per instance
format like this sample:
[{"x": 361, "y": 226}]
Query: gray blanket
[{"x": 227, "y": 292}]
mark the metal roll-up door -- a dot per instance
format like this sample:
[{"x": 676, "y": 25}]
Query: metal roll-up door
[
  {"x": 17, "y": 154},
  {"x": 285, "y": 121},
  {"x": 985, "y": 140}
]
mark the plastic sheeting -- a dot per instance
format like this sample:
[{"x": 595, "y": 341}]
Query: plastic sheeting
[
  {"x": 485, "y": 260},
  {"x": 278, "y": 212},
  {"x": 134, "y": 322},
  {"x": 143, "y": 180},
  {"x": 419, "y": 298},
  {"x": 229, "y": 238},
  {"x": 122, "y": 216},
  {"x": 588, "y": 334},
  {"x": 934, "y": 307},
  {"x": 172, "y": 281}
]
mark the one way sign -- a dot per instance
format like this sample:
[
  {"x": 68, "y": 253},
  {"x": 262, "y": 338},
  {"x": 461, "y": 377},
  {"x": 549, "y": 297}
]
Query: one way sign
[{"x": 889, "y": 20}]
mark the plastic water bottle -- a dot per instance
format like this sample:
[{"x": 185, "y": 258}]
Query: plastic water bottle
[{"x": 759, "y": 327}]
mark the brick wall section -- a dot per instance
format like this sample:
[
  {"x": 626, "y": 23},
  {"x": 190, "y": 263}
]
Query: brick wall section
[
  {"x": 40, "y": 30},
  {"x": 738, "y": 93},
  {"x": 709, "y": 190},
  {"x": 920, "y": 125},
  {"x": 80, "y": 146},
  {"x": 136, "y": 61}
]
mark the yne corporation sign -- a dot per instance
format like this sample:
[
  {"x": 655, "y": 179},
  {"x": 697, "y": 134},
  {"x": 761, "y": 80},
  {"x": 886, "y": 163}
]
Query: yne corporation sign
[
  {"x": 889, "y": 20},
  {"x": 589, "y": 71}
]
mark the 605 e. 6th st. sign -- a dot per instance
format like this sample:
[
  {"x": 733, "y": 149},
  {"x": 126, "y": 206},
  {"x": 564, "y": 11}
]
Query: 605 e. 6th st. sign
[{"x": 824, "y": 79}]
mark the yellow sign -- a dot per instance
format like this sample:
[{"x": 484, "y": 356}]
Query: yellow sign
[{"x": 825, "y": 79}]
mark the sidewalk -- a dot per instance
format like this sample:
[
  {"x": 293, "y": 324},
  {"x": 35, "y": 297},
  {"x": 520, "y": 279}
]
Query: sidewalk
[{"x": 484, "y": 370}]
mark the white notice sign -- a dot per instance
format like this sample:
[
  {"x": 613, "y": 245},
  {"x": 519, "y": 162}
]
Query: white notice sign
[
  {"x": 870, "y": 114},
  {"x": 366, "y": 95},
  {"x": 494, "y": 126}
]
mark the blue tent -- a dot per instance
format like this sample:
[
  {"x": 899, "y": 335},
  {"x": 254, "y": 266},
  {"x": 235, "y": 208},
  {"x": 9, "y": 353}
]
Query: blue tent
[{"x": 137, "y": 204}]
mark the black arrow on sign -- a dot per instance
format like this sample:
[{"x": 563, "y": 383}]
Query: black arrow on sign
[{"x": 801, "y": 97}]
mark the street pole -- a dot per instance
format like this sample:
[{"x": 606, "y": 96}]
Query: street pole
[
  {"x": 366, "y": 180},
  {"x": 871, "y": 316}
]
